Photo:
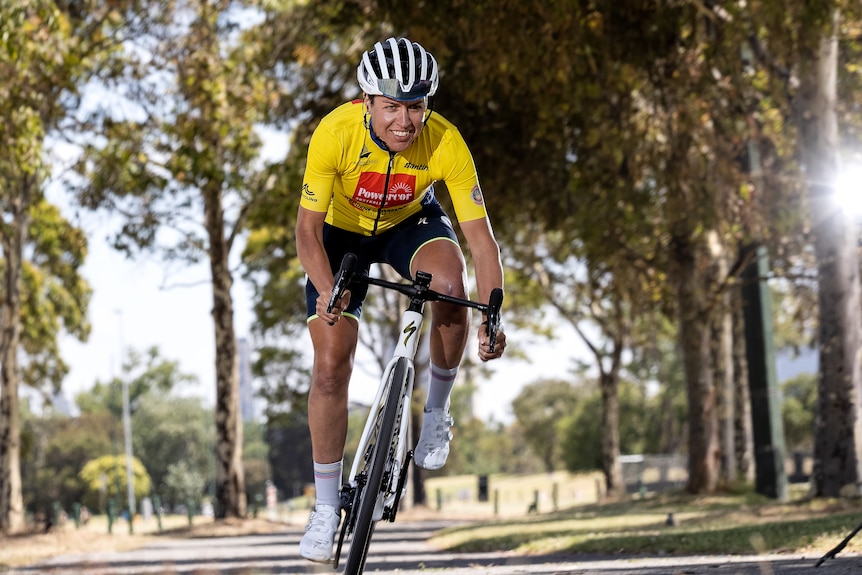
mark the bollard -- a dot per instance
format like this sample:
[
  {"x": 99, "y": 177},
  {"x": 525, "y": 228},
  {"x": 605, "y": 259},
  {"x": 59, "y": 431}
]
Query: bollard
[
  {"x": 76, "y": 514},
  {"x": 555, "y": 496},
  {"x": 534, "y": 506},
  {"x": 157, "y": 504},
  {"x": 482, "y": 494},
  {"x": 112, "y": 510},
  {"x": 496, "y": 502},
  {"x": 190, "y": 510},
  {"x": 55, "y": 513},
  {"x": 439, "y": 500},
  {"x": 258, "y": 503}
]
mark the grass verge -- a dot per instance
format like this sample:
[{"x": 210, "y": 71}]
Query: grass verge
[{"x": 727, "y": 524}]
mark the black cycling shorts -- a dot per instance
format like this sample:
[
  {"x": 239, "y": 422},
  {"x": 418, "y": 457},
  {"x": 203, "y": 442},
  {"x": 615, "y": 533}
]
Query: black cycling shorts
[{"x": 395, "y": 246}]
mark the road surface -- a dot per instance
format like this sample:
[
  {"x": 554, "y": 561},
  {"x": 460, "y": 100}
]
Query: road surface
[{"x": 402, "y": 548}]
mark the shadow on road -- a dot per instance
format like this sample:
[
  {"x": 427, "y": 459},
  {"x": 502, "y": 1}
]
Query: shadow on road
[{"x": 403, "y": 549}]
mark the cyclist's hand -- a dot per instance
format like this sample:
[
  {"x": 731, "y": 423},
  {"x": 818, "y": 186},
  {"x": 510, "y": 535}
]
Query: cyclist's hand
[
  {"x": 340, "y": 306},
  {"x": 485, "y": 353}
]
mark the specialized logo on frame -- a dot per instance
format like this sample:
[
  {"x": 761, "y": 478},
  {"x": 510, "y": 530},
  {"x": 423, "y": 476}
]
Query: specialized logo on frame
[
  {"x": 369, "y": 190},
  {"x": 409, "y": 330}
]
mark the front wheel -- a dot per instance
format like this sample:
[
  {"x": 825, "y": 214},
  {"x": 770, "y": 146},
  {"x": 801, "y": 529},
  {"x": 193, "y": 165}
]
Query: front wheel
[{"x": 381, "y": 447}]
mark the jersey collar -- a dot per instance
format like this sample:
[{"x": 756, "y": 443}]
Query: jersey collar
[{"x": 377, "y": 140}]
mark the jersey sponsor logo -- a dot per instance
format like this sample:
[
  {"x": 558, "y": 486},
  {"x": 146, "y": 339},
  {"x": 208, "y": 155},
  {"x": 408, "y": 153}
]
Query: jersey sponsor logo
[
  {"x": 419, "y": 167},
  {"x": 476, "y": 194},
  {"x": 369, "y": 189},
  {"x": 364, "y": 158},
  {"x": 309, "y": 195}
]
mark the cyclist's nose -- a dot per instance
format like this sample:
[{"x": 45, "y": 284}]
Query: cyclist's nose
[{"x": 404, "y": 115}]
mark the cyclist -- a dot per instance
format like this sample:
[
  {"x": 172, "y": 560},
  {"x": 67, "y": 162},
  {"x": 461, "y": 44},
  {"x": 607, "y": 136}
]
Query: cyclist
[{"x": 369, "y": 189}]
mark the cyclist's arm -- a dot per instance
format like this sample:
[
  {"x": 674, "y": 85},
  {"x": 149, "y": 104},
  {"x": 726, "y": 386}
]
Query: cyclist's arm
[
  {"x": 315, "y": 261},
  {"x": 486, "y": 256},
  {"x": 489, "y": 273}
]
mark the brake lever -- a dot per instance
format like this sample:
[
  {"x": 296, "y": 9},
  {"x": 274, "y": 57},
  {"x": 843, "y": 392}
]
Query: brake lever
[
  {"x": 342, "y": 279},
  {"x": 495, "y": 302}
]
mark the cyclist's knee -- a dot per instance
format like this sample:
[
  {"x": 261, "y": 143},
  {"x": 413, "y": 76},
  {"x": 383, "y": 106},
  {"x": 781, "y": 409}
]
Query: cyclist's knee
[{"x": 330, "y": 382}]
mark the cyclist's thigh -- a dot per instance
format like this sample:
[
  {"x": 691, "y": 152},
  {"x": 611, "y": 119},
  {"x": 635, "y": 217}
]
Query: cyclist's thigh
[
  {"x": 334, "y": 347},
  {"x": 338, "y": 242},
  {"x": 427, "y": 242}
]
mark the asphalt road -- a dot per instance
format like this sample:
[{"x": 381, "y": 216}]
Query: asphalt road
[{"x": 402, "y": 548}]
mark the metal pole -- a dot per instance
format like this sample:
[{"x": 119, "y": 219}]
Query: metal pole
[{"x": 127, "y": 427}]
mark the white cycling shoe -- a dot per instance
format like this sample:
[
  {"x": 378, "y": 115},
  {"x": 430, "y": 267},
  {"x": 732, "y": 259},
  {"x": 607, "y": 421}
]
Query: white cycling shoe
[
  {"x": 432, "y": 450},
  {"x": 316, "y": 544}
]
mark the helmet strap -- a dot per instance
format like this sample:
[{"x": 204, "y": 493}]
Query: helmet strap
[{"x": 430, "y": 109}]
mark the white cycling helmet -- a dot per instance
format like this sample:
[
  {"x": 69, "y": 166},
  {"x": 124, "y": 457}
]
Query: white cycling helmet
[{"x": 398, "y": 69}]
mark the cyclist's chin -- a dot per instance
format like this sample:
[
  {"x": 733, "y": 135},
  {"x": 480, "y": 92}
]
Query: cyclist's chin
[{"x": 396, "y": 144}]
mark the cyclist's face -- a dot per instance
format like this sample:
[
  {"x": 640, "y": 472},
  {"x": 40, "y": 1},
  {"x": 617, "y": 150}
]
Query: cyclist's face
[{"x": 396, "y": 123}]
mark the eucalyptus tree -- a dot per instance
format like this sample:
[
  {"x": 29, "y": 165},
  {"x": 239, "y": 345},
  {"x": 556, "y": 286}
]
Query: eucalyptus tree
[
  {"x": 41, "y": 59},
  {"x": 838, "y": 427},
  {"x": 179, "y": 161}
]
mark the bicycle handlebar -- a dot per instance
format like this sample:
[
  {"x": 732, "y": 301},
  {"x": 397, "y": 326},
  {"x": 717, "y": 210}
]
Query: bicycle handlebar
[{"x": 416, "y": 290}]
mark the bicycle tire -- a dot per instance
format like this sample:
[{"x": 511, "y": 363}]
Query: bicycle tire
[{"x": 364, "y": 527}]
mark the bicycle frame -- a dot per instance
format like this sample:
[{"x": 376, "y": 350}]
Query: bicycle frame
[
  {"x": 411, "y": 326},
  {"x": 379, "y": 469}
]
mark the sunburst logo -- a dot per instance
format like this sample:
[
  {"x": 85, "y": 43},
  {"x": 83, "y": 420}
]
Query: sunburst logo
[{"x": 401, "y": 188}]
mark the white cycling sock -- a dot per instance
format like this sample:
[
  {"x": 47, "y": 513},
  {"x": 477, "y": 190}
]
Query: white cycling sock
[
  {"x": 327, "y": 482},
  {"x": 440, "y": 383}
]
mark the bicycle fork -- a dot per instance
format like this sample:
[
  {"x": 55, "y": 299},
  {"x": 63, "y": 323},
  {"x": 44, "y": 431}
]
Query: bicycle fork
[{"x": 396, "y": 476}]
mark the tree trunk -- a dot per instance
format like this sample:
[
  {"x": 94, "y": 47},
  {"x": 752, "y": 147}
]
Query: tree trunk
[
  {"x": 743, "y": 431},
  {"x": 230, "y": 479},
  {"x": 13, "y": 238},
  {"x": 611, "y": 466},
  {"x": 694, "y": 336},
  {"x": 722, "y": 366},
  {"x": 838, "y": 434}
]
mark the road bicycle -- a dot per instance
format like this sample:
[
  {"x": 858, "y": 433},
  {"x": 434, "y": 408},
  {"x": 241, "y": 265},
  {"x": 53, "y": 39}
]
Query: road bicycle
[{"x": 379, "y": 472}]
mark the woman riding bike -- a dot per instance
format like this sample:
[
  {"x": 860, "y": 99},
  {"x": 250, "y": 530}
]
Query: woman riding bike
[{"x": 369, "y": 189}]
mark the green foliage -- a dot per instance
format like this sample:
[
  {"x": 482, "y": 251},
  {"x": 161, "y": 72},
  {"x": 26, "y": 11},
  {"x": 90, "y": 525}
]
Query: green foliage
[
  {"x": 255, "y": 456},
  {"x": 580, "y": 433},
  {"x": 540, "y": 408},
  {"x": 55, "y": 297},
  {"x": 290, "y": 451},
  {"x": 798, "y": 410},
  {"x": 168, "y": 431},
  {"x": 182, "y": 483},
  {"x": 484, "y": 448},
  {"x": 105, "y": 477},
  {"x": 56, "y": 448}
]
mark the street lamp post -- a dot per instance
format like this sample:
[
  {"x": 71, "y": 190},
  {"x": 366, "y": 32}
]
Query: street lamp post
[{"x": 127, "y": 428}]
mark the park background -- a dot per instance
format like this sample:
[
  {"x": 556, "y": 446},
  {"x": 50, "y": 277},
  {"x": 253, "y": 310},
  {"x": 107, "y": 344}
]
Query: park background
[{"x": 637, "y": 161}]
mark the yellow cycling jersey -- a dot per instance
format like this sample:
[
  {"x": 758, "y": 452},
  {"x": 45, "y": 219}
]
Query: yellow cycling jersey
[{"x": 347, "y": 173}]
